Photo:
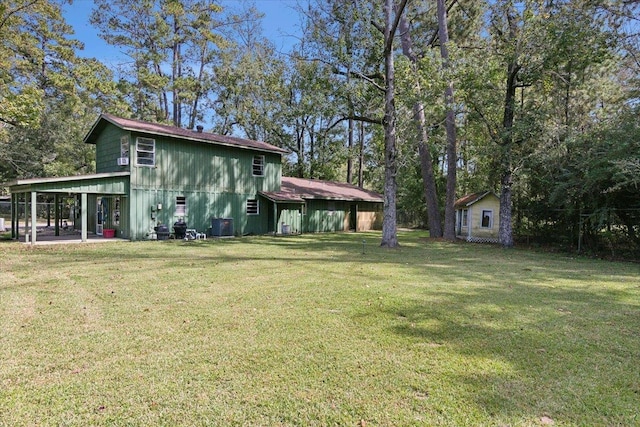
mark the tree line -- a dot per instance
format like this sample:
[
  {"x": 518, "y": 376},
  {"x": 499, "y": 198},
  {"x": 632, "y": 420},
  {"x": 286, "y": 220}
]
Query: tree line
[{"x": 423, "y": 100}]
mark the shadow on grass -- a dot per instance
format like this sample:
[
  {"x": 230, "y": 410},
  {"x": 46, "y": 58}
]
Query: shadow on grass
[{"x": 527, "y": 350}]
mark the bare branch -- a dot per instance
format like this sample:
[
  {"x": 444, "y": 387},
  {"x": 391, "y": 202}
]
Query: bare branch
[{"x": 365, "y": 119}]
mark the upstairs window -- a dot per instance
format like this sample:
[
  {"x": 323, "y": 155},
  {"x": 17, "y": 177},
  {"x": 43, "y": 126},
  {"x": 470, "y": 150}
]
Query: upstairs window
[
  {"x": 145, "y": 152},
  {"x": 253, "y": 207},
  {"x": 181, "y": 206},
  {"x": 258, "y": 165},
  {"x": 124, "y": 147}
]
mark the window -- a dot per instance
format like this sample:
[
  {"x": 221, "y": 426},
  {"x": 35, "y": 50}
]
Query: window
[
  {"x": 181, "y": 206},
  {"x": 252, "y": 207},
  {"x": 465, "y": 213},
  {"x": 487, "y": 219},
  {"x": 258, "y": 165},
  {"x": 331, "y": 207},
  {"x": 124, "y": 147},
  {"x": 145, "y": 152}
]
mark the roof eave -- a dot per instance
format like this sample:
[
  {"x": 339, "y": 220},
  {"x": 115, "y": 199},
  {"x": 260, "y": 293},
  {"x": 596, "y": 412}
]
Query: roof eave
[{"x": 107, "y": 118}]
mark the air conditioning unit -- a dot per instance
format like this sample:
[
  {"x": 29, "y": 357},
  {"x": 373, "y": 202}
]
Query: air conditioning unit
[{"x": 123, "y": 161}]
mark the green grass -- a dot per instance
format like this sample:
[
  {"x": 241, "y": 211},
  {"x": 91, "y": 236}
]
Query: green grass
[{"x": 309, "y": 331}]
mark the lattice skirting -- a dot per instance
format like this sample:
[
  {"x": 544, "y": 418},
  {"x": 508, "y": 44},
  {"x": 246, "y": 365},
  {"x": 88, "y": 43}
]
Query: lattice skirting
[{"x": 480, "y": 239}]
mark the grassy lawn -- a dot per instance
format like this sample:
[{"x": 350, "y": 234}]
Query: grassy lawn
[{"x": 309, "y": 331}]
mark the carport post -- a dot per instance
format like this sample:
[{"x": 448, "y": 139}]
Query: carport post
[
  {"x": 56, "y": 214},
  {"x": 15, "y": 215},
  {"x": 275, "y": 218},
  {"x": 83, "y": 213},
  {"x": 34, "y": 225}
]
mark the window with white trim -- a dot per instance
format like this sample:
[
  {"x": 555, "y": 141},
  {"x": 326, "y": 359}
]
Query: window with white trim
[
  {"x": 145, "y": 152},
  {"x": 181, "y": 206},
  {"x": 465, "y": 213},
  {"x": 258, "y": 165},
  {"x": 124, "y": 147},
  {"x": 487, "y": 219},
  {"x": 253, "y": 207}
]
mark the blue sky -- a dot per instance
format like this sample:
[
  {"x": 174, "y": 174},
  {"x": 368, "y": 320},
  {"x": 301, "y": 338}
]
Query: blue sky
[{"x": 279, "y": 22}]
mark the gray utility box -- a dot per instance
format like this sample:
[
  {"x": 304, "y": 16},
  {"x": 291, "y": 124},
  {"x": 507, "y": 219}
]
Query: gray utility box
[{"x": 221, "y": 227}]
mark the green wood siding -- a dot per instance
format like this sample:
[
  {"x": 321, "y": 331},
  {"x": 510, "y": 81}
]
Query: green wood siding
[
  {"x": 215, "y": 180},
  {"x": 321, "y": 218},
  {"x": 108, "y": 149},
  {"x": 290, "y": 214}
]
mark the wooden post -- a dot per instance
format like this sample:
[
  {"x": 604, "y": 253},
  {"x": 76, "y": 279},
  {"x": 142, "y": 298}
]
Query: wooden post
[
  {"x": 56, "y": 214},
  {"x": 275, "y": 218},
  {"x": 15, "y": 212},
  {"x": 83, "y": 214},
  {"x": 34, "y": 207}
]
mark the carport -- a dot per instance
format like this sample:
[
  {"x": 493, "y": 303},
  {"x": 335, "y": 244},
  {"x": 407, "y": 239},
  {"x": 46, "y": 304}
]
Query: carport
[{"x": 111, "y": 184}]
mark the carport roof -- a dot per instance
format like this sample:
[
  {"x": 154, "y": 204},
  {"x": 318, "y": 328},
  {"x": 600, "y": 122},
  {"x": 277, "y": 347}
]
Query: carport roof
[{"x": 100, "y": 183}]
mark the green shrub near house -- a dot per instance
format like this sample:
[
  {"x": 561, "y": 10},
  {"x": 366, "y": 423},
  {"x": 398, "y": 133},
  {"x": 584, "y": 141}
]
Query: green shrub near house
[{"x": 315, "y": 330}]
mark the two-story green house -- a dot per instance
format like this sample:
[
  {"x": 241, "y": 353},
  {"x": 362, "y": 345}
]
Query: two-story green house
[{"x": 149, "y": 175}]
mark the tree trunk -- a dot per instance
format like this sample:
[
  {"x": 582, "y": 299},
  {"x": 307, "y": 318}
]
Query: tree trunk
[
  {"x": 426, "y": 163},
  {"x": 389, "y": 226},
  {"x": 450, "y": 125},
  {"x": 361, "y": 157},
  {"x": 505, "y": 232},
  {"x": 350, "y": 153}
]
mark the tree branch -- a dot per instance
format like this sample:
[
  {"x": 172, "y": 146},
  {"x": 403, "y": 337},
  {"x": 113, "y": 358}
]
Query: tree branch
[
  {"x": 9, "y": 122},
  {"x": 369, "y": 78},
  {"x": 13, "y": 12},
  {"x": 375, "y": 121},
  {"x": 399, "y": 11}
]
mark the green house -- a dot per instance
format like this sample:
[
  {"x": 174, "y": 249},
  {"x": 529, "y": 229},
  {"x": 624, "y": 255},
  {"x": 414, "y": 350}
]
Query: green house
[{"x": 151, "y": 176}]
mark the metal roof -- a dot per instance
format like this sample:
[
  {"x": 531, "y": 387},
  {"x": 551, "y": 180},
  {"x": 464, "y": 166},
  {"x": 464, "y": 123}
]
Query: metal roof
[
  {"x": 470, "y": 199},
  {"x": 297, "y": 190},
  {"x": 172, "y": 131},
  {"x": 113, "y": 182}
]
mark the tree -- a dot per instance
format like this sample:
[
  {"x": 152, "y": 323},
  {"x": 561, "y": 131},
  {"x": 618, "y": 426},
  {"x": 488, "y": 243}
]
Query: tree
[
  {"x": 51, "y": 95},
  {"x": 389, "y": 222},
  {"x": 173, "y": 45},
  {"x": 450, "y": 126},
  {"x": 424, "y": 151}
]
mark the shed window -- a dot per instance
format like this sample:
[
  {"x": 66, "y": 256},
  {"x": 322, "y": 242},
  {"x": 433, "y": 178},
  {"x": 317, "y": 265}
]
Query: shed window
[
  {"x": 487, "y": 219},
  {"x": 253, "y": 207},
  {"x": 331, "y": 207},
  {"x": 258, "y": 165},
  {"x": 145, "y": 152},
  {"x": 464, "y": 214},
  {"x": 181, "y": 206}
]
